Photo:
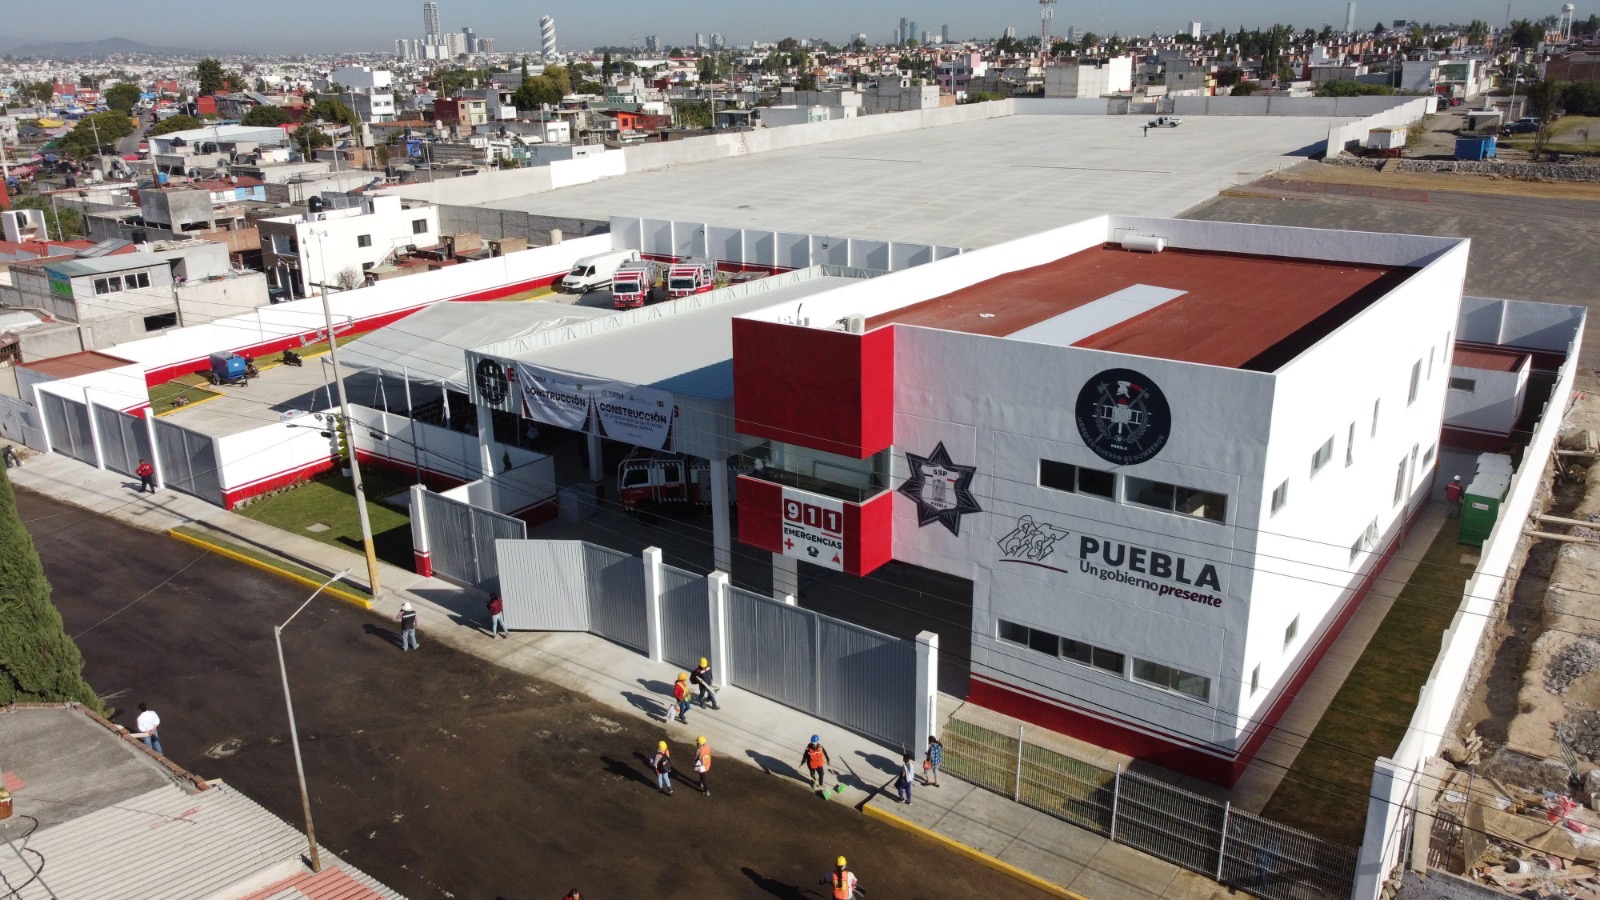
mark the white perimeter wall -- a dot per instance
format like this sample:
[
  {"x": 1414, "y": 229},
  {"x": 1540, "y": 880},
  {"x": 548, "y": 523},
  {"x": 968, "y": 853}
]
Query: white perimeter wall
[
  {"x": 768, "y": 249},
  {"x": 530, "y": 480},
  {"x": 269, "y": 451}
]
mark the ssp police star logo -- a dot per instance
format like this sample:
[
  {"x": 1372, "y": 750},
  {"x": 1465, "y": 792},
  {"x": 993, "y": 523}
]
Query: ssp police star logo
[
  {"x": 1123, "y": 417},
  {"x": 492, "y": 384}
]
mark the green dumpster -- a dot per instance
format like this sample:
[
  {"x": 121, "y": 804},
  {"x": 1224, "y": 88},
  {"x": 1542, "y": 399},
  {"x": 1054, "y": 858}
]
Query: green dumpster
[{"x": 1480, "y": 506}]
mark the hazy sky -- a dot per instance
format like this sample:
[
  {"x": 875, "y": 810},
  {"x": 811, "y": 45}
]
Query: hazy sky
[{"x": 374, "y": 24}]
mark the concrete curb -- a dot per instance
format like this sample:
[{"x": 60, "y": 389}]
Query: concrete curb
[
  {"x": 346, "y": 596},
  {"x": 1054, "y": 890}
]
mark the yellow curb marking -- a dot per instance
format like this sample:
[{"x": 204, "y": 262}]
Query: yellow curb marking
[
  {"x": 1048, "y": 887},
  {"x": 344, "y": 595}
]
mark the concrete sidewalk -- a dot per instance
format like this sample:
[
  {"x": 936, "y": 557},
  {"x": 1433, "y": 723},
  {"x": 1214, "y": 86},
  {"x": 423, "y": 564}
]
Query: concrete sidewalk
[{"x": 749, "y": 728}]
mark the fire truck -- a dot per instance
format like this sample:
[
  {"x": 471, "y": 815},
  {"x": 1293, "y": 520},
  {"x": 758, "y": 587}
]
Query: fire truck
[
  {"x": 630, "y": 287},
  {"x": 658, "y": 478},
  {"x": 691, "y": 276}
]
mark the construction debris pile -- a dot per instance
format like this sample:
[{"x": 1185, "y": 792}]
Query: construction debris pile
[
  {"x": 1542, "y": 845},
  {"x": 1574, "y": 661}
]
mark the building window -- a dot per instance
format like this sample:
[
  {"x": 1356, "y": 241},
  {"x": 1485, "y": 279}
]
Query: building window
[
  {"x": 1255, "y": 680},
  {"x": 363, "y": 240},
  {"x": 1416, "y": 378},
  {"x": 165, "y": 320},
  {"x": 1280, "y": 496},
  {"x": 1430, "y": 363},
  {"x": 419, "y": 226},
  {"x": 1465, "y": 385},
  {"x": 1292, "y": 632},
  {"x": 1375, "y": 405},
  {"x": 1321, "y": 457},
  {"x": 1355, "y": 549},
  {"x": 1350, "y": 447},
  {"x": 1400, "y": 482},
  {"x": 1158, "y": 675},
  {"x": 1062, "y": 476},
  {"x": 1042, "y": 641},
  {"x": 107, "y": 285},
  {"x": 1090, "y": 655},
  {"x": 1175, "y": 498},
  {"x": 135, "y": 281},
  {"x": 1427, "y": 458}
]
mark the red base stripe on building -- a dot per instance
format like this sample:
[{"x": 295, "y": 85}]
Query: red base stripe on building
[
  {"x": 422, "y": 562},
  {"x": 231, "y": 497}
]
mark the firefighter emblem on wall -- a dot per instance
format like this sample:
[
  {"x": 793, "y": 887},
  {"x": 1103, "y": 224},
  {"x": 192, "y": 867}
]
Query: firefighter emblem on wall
[
  {"x": 941, "y": 489},
  {"x": 1123, "y": 417},
  {"x": 492, "y": 382}
]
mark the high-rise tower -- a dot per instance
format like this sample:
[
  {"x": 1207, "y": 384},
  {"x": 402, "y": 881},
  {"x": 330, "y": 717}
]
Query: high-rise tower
[
  {"x": 547, "y": 36},
  {"x": 430, "y": 21}
]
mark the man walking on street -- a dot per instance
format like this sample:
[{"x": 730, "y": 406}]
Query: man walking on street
[
  {"x": 815, "y": 759},
  {"x": 497, "y": 616},
  {"x": 147, "y": 476},
  {"x": 12, "y": 460},
  {"x": 661, "y": 763},
  {"x": 408, "y": 627},
  {"x": 843, "y": 882},
  {"x": 149, "y": 725},
  {"x": 702, "y": 677},
  {"x": 902, "y": 781},
  {"x": 702, "y": 763},
  {"x": 680, "y": 696}
]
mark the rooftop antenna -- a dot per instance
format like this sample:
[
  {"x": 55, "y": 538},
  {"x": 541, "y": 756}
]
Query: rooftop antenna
[{"x": 1047, "y": 11}]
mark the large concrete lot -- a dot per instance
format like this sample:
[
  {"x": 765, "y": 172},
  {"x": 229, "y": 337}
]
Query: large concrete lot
[
  {"x": 440, "y": 773},
  {"x": 966, "y": 185}
]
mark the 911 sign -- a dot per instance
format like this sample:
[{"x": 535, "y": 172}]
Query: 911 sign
[{"x": 813, "y": 529}]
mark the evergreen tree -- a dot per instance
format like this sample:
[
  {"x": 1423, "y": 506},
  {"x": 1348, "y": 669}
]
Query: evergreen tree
[{"x": 39, "y": 663}]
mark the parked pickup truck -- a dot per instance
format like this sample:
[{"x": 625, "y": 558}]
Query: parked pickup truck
[{"x": 1165, "y": 122}]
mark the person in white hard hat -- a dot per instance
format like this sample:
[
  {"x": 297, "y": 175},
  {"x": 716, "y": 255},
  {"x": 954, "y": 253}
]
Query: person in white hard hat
[
  {"x": 1452, "y": 497},
  {"x": 408, "y": 627}
]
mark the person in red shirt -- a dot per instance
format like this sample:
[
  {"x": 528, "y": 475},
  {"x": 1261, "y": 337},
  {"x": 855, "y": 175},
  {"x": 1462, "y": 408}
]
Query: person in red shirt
[
  {"x": 680, "y": 694},
  {"x": 497, "y": 616},
  {"x": 147, "y": 476},
  {"x": 1452, "y": 497}
]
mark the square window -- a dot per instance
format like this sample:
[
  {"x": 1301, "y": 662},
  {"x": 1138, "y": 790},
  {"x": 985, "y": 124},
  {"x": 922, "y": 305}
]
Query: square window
[
  {"x": 1290, "y": 633},
  {"x": 1196, "y": 686},
  {"x": 144, "y": 279},
  {"x": 1108, "y": 660},
  {"x": 1077, "y": 651},
  {"x": 1097, "y": 483},
  {"x": 1465, "y": 385},
  {"x": 1280, "y": 496},
  {"x": 363, "y": 240},
  {"x": 1321, "y": 457},
  {"x": 1416, "y": 378},
  {"x": 1154, "y": 673},
  {"x": 419, "y": 226},
  {"x": 1201, "y": 504},
  {"x": 1044, "y": 642},
  {"x": 1057, "y": 476},
  {"x": 1144, "y": 492},
  {"x": 1009, "y": 631}
]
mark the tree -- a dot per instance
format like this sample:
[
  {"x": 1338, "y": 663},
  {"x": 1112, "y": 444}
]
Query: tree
[
  {"x": 981, "y": 97},
  {"x": 606, "y": 65},
  {"x": 1543, "y": 95},
  {"x": 536, "y": 92},
  {"x": 560, "y": 78},
  {"x": 788, "y": 45},
  {"x": 1581, "y": 98},
  {"x": 1352, "y": 89},
  {"x": 334, "y": 111},
  {"x": 1525, "y": 34},
  {"x": 694, "y": 115},
  {"x": 1229, "y": 76},
  {"x": 348, "y": 279},
  {"x": 122, "y": 96},
  {"x": 39, "y": 663},
  {"x": 591, "y": 87},
  {"x": 1477, "y": 33},
  {"x": 96, "y": 133},
  {"x": 175, "y": 123},
  {"x": 65, "y": 224},
  {"x": 806, "y": 82},
  {"x": 265, "y": 116},
  {"x": 212, "y": 78},
  {"x": 1245, "y": 88},
  {"x": 308, "y": 138}
]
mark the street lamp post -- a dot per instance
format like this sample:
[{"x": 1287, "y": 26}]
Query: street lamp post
[{"x": 294, "y": 734}]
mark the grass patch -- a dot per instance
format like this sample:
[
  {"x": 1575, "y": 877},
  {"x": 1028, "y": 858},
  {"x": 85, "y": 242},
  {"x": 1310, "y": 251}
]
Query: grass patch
[
  {"x": 321, "y": 346},
  {"x": 271, "y": 559},
  {"x": 185, "y": 386},
  {"x": 1569, "y": 134},
  {"x": 1325, "y": 790},
  {"x": 330, "y": 501}
]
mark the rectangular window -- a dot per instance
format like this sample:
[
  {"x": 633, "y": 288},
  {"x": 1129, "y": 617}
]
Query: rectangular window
[
  {"x": 1280, "y": 496},
  {"x": 1427, "y": 457},
  {"x": 1350, "y": 447},
  {"x": 1375, "y": 405},
  {"x": 144, "y": 279},
  {"x": 1011, "y": 631},
  {"x": 1255, "y": 680},
  {"x": 419, "y": 226},
  {"x": 1175, "y": 498},
  {"x": 1416, "y": 378},
  {"x": 363, "y": 240},
  {"x": 1158, "y": 675},
  {"x": 1096, "y": 483},
  {"x": 1090, "y": 655},
  {"x": 1430, "y": 363},
  {"x": 1400, "y": 482},
  {"x": 1465, "y": 385},
  {"x": 1355, "y": 549},
  {"x": 165, "y": 320},
  {"x": 1058, "y": 476},
  {"x": 1044, "y": 642},
  {"x": 1292, "y": 632},
  {"x": 1321, "y": 457},
  {"x": 1144, "y": 492}
]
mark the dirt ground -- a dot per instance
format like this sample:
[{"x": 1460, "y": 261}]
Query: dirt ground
[{"x": 439, "y": 773}]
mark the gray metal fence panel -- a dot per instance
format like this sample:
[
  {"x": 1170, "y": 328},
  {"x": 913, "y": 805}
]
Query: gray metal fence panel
[
  {"x": 68, "y": 423},
  {"x": 124, "y": 440},
  {"x": 867, "y": 682},
  {"x": 541, "y": 585},
  {"x": 188, "y": 461},
  {"x": 773, "y": 649},
  {"x": 685, "y": 617},
  {"x": 616, "y": 596},
  {"x": 1173, "y": 824},
  {"x": 489, "y": 527},
  {"x": 1066, "y": 788},
  {"x": 450, "y": 540},
  {"x": 1281, "y": 863}
]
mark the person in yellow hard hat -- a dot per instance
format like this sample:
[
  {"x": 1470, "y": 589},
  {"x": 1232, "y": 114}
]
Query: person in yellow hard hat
[
  {"x": 680, "y": 696},
  {"x": 702, "y": 676},
  {"x": 661, "y": 764},
  {"x": 843, "y": 882},
  {"x": 702, "y": 763}
]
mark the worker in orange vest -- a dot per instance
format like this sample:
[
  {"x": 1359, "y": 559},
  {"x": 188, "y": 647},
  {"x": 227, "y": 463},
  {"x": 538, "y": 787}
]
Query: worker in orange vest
[
  {"x": 814, "y": 759},
  {"x": 680, "y": 695},
  {"x": 702, "y": 763},
  {"x": 843, "y": 882}
]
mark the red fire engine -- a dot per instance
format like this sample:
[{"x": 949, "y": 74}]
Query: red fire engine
[{"x": 691, "y": 276}]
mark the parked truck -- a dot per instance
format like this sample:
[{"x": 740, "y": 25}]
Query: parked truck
[
  {"x": 1164, "y": 122},
  {"x": 595, "y": 272},
  {"x": 653, "y": 478},
  {"x": 630, "y": 287},
  {"x": 691, "y": 276}
]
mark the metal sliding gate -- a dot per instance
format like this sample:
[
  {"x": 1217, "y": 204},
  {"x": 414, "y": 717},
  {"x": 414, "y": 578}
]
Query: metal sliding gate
[
  {"x": 462, "y": 537},
  {"x": 67, "y": 422},
  {"x": 189, "y": 461},
  {"x": 124, "y": 439},
  {"x": 857, "y": 677},
  {"x": 685, "y": 617},
  {"x": 616, "y": 596}
]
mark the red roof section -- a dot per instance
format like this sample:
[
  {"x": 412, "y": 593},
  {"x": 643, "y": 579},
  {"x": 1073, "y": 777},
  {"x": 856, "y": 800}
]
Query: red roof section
[
  {"x": 1237, "y": 310},
  {"x": 330, "y": 884},
  {"x": 1491, "y": 359},
  {"x": 74, "y": 364}
]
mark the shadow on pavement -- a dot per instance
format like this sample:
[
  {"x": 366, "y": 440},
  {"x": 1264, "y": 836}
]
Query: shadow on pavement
[
  {"x": 623, "y": 770},
  {"x": 650, "y": 706},
  {"x": 881, "y": 763},
  {"x": 772, "y": 766},
  {"x": 772, "y": 886},
  {"x": 379, "y": 631}
]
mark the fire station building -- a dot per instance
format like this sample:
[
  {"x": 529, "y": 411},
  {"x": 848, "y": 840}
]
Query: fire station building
[{"x": 1170, "y": 456}]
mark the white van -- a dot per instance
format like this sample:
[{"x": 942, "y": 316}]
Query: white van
[{"x": 596, "y": 271}]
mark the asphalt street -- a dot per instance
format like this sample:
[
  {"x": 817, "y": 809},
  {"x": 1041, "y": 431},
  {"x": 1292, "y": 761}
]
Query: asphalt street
[{"x": 436, "y": 772}]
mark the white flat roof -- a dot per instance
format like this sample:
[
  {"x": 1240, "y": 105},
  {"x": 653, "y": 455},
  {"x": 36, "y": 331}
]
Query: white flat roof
[{"x": 968, "y": 185}]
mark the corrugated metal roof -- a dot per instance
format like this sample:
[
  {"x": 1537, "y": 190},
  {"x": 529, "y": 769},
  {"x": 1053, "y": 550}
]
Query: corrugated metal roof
[
  {"x": 166, "y": 843},
  {"x": 338, "y": 882},
  {"x": 690, "y": 354},
  {"x": 100, "y": 265}
]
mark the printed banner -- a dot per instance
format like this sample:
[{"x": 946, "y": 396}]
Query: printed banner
[
  {"x": 813, "y": 528},
  {"x": 634, "y": 415}
]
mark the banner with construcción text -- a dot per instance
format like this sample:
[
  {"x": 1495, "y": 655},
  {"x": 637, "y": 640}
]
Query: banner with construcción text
[{"x": 635, "y": 415}]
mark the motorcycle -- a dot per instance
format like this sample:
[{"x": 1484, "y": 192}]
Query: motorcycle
[{"x": 291, "y": 358}]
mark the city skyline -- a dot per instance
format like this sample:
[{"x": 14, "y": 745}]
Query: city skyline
[{"x": 370, "y": 26}]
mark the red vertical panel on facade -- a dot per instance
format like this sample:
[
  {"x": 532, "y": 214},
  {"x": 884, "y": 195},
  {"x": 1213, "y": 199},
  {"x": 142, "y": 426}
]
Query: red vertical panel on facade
[
  {"x": 827, "y": 390},
  {"x": 868, "y": 534},
  {"x": 761, "y": 513}
]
